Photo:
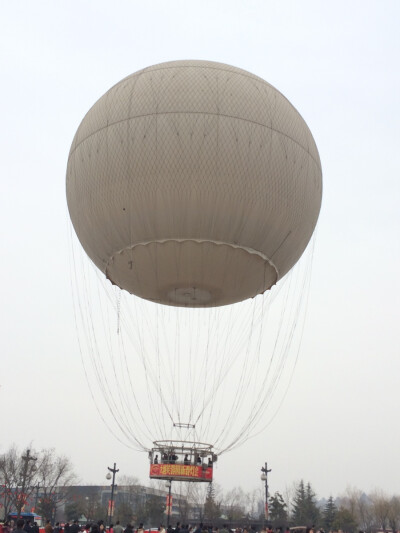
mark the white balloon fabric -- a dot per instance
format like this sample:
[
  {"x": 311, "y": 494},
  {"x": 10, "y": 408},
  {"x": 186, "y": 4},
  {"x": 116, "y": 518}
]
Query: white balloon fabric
[{"x": 194, "y": 183}]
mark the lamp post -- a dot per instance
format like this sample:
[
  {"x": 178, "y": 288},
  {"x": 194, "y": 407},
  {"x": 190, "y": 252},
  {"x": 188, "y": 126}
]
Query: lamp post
[
  {"x": 168, "y": 484},
  {"x": 113, "y": 485},
  {"x": 37, "y": 496},
  {"x": 264, "y": 477},
  {"x": 27, "y": 472}
]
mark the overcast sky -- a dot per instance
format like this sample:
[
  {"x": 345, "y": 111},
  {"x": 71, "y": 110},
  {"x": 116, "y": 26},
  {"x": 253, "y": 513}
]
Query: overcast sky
[{"x": 338, "y": 63}]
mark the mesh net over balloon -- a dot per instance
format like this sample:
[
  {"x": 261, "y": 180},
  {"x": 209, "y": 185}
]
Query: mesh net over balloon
[{"x": 224, "y": 370}]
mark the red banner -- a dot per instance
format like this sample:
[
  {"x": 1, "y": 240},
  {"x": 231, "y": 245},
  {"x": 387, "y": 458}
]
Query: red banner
[
  {"x": 111, "y": 505},
  {"x": 181, "y": 471},
  {"x": 169, "y": 505}
]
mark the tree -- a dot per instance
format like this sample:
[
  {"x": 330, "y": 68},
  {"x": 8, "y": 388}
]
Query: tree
[
  {"x": 55, "y": 477},
  {"x": 127, "y": 499},
  {"x": 211, "y": 507},
  {"x": 185, "y": 500},
  {"x": 359, "y": 506},
  {"x": 300, "y": 506},
  {"x": 345, "y": 521},
  {"x": 19, "y": 474},
  {"x": 198, "y": 493},
  {"x": 394, "y": 513},
  {"x": 277, "y": 509},
  {"x": 155, "y": 509},
  {"x": 312, "y": 510},
  {"x": 75, "y": 509},
  {"x": 235, "y": 504},
  {"x": 381, "y": 508},
  {"x": 305, "y": 510},
  {"x": 329, "y": 514},
  {"x": 254, "y": 503}
]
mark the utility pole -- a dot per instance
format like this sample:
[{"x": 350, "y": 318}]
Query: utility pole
[
  {"x": 264, "y": 477},
  {"x": 113, "y": 485},
  {"x": 26, "y": 472},
  {"x": 169, "y": 501},
  {"x": 37, "y": 496}
]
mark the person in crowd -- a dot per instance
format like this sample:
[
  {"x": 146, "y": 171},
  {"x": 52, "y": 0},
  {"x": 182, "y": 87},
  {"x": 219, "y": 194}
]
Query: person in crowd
[
  {"x": 20, "y": 525},
  {"x": 7, "y": 527},
  {"x": 74, "y": 528},
  {"x": 118, "y": 528},
  {"x": 161, "y": 529},
  {"x": 129, "y": 528},
  {"x": 224, "y": 529},
  {"x": 94, "y": 528},
  {"x": 67, "y": 527},
  {"x": 48, "y": 528}
]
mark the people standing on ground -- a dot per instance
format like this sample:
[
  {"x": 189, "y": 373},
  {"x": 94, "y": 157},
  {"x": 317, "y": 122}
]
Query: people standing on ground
[
  {"x": 118, "y": 528},
  {"x": 48, "y": 528},
  {"x": 74, "y": 528},
  {"x": 20, "y": 526},
  {"x": 6, "y": 527}
]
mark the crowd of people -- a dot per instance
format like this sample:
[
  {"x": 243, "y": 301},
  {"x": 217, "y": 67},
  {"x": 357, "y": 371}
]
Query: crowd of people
[{"x": 25, "y": 526}]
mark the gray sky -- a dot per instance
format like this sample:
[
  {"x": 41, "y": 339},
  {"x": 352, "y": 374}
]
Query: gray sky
[{"x": 337, "y": 62}]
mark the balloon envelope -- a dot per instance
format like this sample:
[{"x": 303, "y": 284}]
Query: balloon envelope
[{"x": 194, "y": 183}]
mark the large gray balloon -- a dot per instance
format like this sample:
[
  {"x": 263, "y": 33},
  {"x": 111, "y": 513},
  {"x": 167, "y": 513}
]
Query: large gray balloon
[{"x": 194, "y": 183}]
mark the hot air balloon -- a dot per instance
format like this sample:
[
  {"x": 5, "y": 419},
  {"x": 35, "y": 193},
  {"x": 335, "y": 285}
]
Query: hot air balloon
[{"x": 194, "y": 185}]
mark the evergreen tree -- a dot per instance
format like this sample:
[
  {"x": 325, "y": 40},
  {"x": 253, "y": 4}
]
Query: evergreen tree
[
  {"x": 299, "y": 505},
  {"x": 329, "y": 514},
  {"x": 312, "y": 511},
  {"x": 305, "y": 510},
  {"x": 345, "y": 521},
  {"x": 277, "y": 509},
  {"x": 211, "y": 507}
]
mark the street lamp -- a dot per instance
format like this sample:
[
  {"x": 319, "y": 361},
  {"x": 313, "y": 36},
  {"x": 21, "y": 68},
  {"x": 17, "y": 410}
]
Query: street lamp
[
  {"x": 26, "y": 475},
  {"x": 168, "y": 484},
  {"x": 37, "y": 496},
  {"x": 264, "y": 477},
  {"x": 113, "y": 485}
]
